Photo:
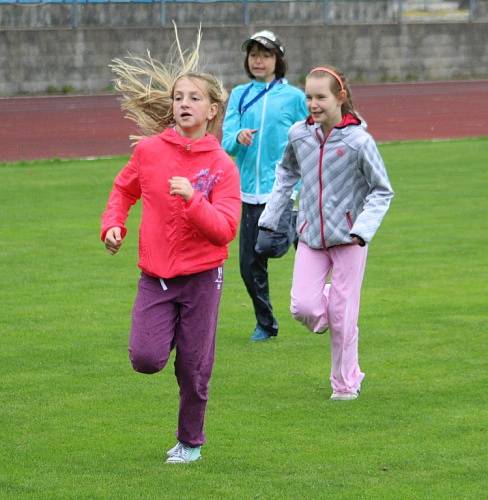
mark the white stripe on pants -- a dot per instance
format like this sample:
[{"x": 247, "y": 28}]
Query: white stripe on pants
[{"x": 319, "y": 306}]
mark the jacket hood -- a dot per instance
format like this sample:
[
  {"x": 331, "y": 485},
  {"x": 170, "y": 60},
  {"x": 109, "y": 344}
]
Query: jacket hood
[
  {"x": 347, "y": 120},
  {"x": 206, "y": 143}
]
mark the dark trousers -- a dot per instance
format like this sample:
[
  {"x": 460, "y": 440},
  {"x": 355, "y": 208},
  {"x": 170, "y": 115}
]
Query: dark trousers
[
  {"x": 179, "y": 312},
  {"x": 254, "y": 268}
]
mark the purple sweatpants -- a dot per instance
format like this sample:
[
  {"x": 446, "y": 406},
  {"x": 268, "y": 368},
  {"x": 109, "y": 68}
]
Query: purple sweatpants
[{"x": 179, "y": 312}]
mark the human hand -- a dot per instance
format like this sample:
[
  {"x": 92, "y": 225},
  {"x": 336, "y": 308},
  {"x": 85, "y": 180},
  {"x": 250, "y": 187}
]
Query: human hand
[
  {"x": 181, "y": 186},
  {"x": 113, "y": 240},
  {"x": 356, "y": 240},
  {"x": 245, "y": 136}
]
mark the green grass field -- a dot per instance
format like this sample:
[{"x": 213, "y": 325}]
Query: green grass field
[{"x": 76, "y": 422}]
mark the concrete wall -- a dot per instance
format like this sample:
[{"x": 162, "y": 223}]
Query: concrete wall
[
  {"x": 33, "y": 60},
  {"x": 186, "y": 13}
]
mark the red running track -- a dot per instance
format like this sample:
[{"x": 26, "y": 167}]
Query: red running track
[{"x": 83, "y": 126}]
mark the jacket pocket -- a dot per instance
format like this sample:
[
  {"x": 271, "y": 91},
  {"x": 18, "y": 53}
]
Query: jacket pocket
[
  {"x": 302, "y": 227},
  {"x": 349, "y": 220}
]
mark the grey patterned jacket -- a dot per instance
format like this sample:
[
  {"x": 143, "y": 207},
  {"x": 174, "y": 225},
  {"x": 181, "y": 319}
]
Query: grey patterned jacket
[{"x": 345, "y": 188}]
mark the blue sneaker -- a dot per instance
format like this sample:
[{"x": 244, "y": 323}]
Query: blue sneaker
[{"x": 260, "y": 334}]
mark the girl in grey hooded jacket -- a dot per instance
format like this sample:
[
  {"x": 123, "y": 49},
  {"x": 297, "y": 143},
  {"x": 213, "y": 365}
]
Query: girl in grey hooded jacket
[{"x": 344, "y": 196}]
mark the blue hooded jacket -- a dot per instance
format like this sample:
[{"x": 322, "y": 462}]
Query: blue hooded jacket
[{"x": 272, "y": 114}]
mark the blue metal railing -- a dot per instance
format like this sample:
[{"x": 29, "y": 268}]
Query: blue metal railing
[
  {"x": 84, "y": 2},
  {"x": 398, "y": 10}
]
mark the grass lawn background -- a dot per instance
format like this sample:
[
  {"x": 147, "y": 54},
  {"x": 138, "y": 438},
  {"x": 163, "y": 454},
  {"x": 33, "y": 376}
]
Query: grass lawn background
[{"x": 77, "y": 422}]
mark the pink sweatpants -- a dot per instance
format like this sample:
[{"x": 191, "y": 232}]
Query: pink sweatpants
[{"x": 336, "y": 306}]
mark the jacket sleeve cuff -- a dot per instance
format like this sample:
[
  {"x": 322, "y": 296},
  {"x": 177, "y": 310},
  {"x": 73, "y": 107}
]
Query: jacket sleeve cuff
[
  {"x": 194, "y": 200},
  {"x": 362, "y": 243},
  {"x": 237, "y": 136}
]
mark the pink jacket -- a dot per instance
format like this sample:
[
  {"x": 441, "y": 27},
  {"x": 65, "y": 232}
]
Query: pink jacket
[{"x": 178, "y": 237}]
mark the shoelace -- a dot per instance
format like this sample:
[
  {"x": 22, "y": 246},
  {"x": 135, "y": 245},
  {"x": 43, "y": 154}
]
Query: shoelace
[
  {"x": 182, "y": 452},
  {"x": 175, "y": 449}
]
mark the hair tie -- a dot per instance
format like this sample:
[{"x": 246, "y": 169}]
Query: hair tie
[{"x": 331, "y": 72}]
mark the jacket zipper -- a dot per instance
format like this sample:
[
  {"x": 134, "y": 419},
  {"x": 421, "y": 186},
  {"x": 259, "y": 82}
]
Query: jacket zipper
[
  {"x": 321, "y": 156},
  {"x": 258, "y": 154},
  {"x": 302, "y": 227}
]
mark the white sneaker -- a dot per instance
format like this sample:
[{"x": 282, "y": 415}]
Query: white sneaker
[
  {"x": 184, "y": 454},
  {"x": 344, "y": 396},
  {"x": 171, "y": 451}
]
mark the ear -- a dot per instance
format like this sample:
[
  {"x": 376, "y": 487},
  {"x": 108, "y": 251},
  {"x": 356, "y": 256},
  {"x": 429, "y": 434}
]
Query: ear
[
  {"x": 342, "y": 96},
  {"x": 212, "y": 111}
]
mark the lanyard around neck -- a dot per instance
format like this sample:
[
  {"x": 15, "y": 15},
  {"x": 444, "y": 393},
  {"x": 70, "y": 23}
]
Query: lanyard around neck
[{"x": 244, "y": 107}]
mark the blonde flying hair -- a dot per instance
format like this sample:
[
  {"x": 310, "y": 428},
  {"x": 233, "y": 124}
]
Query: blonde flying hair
[{"x": 147, "y": 87}]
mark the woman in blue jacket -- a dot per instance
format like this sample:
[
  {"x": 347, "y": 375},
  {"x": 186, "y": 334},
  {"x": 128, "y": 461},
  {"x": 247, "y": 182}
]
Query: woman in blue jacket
[{"x": 255, "y": 132}]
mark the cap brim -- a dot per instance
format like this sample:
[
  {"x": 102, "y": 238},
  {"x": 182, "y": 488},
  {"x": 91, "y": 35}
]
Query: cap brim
[{"x": 264, "y": 42}]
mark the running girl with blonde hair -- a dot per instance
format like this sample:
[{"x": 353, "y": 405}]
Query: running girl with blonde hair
[{"x": 189, "y": 188}]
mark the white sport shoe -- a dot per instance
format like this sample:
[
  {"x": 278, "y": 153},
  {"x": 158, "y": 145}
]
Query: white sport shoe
[
  {"x": 182, "y": 454},
  {"x": 344, "y": 396},
  {"x": 171, "y": 451}
]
